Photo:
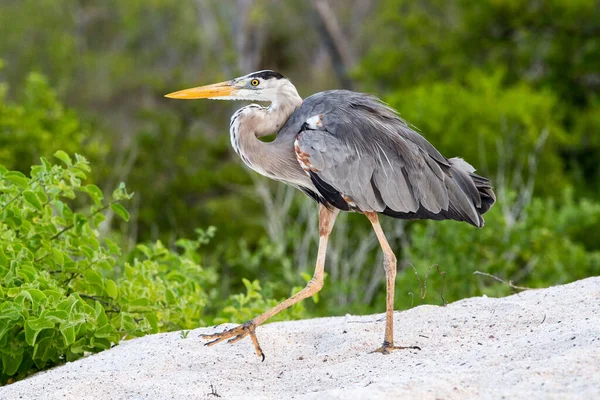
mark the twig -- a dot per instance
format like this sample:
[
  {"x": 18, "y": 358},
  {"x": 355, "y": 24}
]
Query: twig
[
  {"x": 37, "y": 260},
  {"x": 78, "y": 273},
  {"x": 66, "y": 228},
  {"x": 100, "y": 300},
  {"x": 423, "y": 282},
  {"x": 508, "y": 283},
  {"x": 19, "y": 194}
]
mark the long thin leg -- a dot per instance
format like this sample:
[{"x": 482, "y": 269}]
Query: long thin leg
[
  {"x": 326, "y": 221},
  {"x": 389, "y": 263}
]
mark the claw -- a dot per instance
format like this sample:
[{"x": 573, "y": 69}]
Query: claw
[
  {"x": 235, "y": 335},
  {"x": 236, "y": 339},
  {"x": 212, "y": 342},
  {"x": 387, "y": 348}
]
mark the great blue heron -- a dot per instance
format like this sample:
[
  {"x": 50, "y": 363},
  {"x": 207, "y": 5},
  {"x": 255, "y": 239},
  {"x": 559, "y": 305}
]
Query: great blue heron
[{"x": 348, "y": 151}]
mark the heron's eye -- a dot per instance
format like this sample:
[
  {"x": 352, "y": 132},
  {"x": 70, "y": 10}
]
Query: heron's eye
[{"x": 254, "y": 82}]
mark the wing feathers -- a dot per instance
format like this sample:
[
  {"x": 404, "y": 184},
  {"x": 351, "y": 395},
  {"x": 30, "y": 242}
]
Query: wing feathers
[{"x": 369, "y": 159}]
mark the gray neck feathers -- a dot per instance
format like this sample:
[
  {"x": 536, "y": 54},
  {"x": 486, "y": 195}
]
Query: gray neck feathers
[{"x": 276, "y": 159}]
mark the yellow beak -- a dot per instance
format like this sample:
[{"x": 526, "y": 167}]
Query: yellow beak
[{"x": 220, "y": 89}]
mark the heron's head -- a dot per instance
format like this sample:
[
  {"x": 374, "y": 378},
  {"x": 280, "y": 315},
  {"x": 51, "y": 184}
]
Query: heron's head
[{"x": 257, "y": 86}]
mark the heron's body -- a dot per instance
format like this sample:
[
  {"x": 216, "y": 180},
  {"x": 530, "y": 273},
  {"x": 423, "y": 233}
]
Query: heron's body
[
  {"x": 364, "y": 158},
  {"x": 349, "y": 152}
]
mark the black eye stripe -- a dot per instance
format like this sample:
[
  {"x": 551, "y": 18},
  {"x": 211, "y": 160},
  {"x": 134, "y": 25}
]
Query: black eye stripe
[{"x": 266, "y": 75}]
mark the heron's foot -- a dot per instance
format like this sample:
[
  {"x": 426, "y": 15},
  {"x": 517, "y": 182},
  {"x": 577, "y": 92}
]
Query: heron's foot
[
  {"x": 235, "y": 335},
  {"x": 387, "y": 348}
]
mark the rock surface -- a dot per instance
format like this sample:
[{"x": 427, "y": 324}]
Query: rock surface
[{"x": 536, "y": 344}]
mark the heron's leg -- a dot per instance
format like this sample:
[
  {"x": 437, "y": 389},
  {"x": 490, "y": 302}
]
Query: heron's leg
[
  {"x": 326, "y": 221},
  {"x": 389, "y": 262}
]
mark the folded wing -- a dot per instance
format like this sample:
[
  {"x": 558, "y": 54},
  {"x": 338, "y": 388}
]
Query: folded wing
[{"x": 364, "y": 157}]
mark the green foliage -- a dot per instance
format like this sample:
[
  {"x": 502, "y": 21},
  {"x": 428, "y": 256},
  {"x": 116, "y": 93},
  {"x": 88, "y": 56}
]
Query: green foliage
[
  {"x": 499, "y": 140},
  {"x": 63, "y": 291},
  {"x": 550, "y": 43},
  {"x": 245, "y": 306},
  {"x": 544, "y": 245},
  {"x": 39, "y": 125},
  {"x": 66, "y": 290},
  {"x": 196, "y": 165},
  {"x": 52, "y": 264},
  {"x": 167, "y": 288},
  {"x": 430, "y": 49}
]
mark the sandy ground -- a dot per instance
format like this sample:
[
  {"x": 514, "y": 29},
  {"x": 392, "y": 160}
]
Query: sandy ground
[{"x": 541, "y": 344}]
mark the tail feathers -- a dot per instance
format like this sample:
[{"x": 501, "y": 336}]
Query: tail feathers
[
  {"x": 469, "y": 195},
  {"x": 486, "y": 192},
  {"x": 477, "y": 189}
]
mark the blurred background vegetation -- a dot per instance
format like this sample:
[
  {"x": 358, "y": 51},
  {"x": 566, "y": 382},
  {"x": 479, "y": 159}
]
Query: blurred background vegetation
[{"x": 511, "y": 86}]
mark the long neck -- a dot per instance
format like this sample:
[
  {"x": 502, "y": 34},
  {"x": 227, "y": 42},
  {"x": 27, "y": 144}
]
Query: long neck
[
  {"x": 271, "y": 119},
  {"x": 254, "y": 121}
]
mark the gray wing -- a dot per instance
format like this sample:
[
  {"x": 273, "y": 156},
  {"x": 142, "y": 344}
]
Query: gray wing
[{"x": 366, "y": 157}]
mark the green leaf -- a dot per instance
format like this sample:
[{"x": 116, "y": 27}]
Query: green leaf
[
  {"x": 9, "y": 310},
  {"x": 43, "y": 322},
  {"x": 33, "y": 326},
  {"x": 57, "y": 256},
  {"x": 68, "y": 332},
  {"x": 139, "y": 305},
  {"x": 112, "y": 247},
  {"x": 101, "y": 343},
  {"x": 79, "y": 346},
  {"x": 88, "y": 251},
  {"x": 120, "y": 193},
  {"x": 3, "y": 257},
  {"x": 64, "y": 157},
  {"x": 111, "y": 288},
  {"x": 56, "y": 316},
  {"x": 36, "y": 296},
  {"x": 54, "y": 296},
  {"x": 95, "y": 193},
  {"x": 105, "y": 331},
  {"x": 93, "y": 277},
  {"x": 30, "y": 334},
  {"x": 11, "y": 363},
  {"x": 32, "y": 199},
  {"x": 120, "y": 211},
  {"x": 153, "y": 321},
  {"x": 46, "y": 164},
  {"x": 16, "y": 178},
  {"x": 43, "y": 198},
  {"x": 5, "y": 326},
  {"x": 68, "y": 304},
  {"x": 40, "y": 350}
]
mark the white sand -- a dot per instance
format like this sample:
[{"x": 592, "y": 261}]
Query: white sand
[{"x": 542, "y": 344}]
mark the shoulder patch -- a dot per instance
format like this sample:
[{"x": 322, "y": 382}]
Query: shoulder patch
[{"x": 303, "y": 158}]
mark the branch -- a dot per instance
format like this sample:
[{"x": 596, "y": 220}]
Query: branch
[
  {"x": 100, "y": 300},
  {"x": 335, "y": 42},
  {"x": 19, "y": 194},
  {"x": 508, "y": 283},
  {"x": 423, "y": 283},
  {"x": 66, "y": 228}
]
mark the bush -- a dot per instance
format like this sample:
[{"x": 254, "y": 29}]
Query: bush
[
  {"x": 245, "y": 306},
  {"x": 51, "y": 261},
  {"x": 62, "y": 290},
  {"x": 66, "y": 291}
]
